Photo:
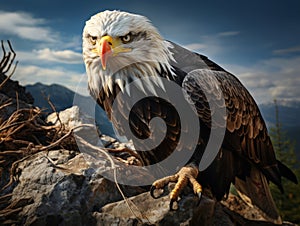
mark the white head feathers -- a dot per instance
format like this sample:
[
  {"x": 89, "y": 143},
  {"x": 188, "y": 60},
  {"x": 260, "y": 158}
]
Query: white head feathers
[{"x": 149, "y": 52}]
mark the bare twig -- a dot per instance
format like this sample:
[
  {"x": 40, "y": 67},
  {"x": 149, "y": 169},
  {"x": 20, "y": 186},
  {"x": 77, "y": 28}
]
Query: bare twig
[
  {"x": 13, "y": 58},
  {"x": 34, "y": 150},
  {"x": 7, "y": 212},
  {"x": 113, "y": 166},
  {"x": 4, "y": 54},
  {"x": 4, "y": 198},
  {"x": 4, "y": 105},
  {"x": 11, "y": 152},
  {"x": 17, "y": 100},
  {"x": 53, "y": 163},
  {"x": 12, "y": 170},
  {"x": 56, "y": 143},
  {"x": 5, "y": 80},
  {"x": 25, "y": 121},
  {"x": 7, "y": 62},
  {"x": 15, "y": 116},
  {"x": 124, "y": 149},
  {"x": 57, "y": 114}
]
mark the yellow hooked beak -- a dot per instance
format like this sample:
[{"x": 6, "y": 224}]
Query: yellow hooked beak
[{"x": 108, "y": 46}]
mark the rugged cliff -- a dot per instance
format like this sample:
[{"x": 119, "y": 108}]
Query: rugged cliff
[{"x": 46, "y": 179}]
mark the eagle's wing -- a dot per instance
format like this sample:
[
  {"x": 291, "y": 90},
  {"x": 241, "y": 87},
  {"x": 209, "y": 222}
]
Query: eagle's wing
[
  {"x": 247, "y": 155},
  {"x": 244, "y": 120}
]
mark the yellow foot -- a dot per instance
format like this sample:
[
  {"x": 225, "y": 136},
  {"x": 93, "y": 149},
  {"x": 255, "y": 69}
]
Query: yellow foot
[{"x": 185, "y": 175}]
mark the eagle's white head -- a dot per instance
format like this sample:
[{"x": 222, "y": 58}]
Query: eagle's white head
[{"x": 119, "y": 47}]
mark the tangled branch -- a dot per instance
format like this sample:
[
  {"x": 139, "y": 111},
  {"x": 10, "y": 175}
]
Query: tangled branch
[
  {"x": 7, "y": 61},
  {"x": 24, "y": 134}
]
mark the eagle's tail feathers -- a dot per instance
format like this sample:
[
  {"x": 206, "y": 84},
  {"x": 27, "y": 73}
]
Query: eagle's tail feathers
[
  {"x": 255, "y": 191},
  {"x": 286, "y": 172}
]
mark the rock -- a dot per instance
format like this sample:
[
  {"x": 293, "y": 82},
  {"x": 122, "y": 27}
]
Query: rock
[
  {"x": 67, "y": 187},
  {"x": 70, "y": 118},
  {"x": 149, "y": 211},
  {"x": 86, "y": 129},
  {"x": 13, "y": 90},
  {"x": 59, "y": 189},
  {"x": 74, "y": 117},
  {"x": 15, "y": 110}
]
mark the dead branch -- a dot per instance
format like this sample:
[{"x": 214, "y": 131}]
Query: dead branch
[
  {"x": 62, "y": 127},
  {"x": 24, "y": 134},
  {"x": 137, "y": 213},
  {"x": 7, "y": 61},
  {"x": 6, "y": 104},
  {"x": 124, "y": 149},
  {"x": 56, "y": 143},
  {"x": 12, "y": 121}
]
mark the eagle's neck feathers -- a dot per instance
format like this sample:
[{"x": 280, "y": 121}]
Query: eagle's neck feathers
[{"x": 117, "y": 75}]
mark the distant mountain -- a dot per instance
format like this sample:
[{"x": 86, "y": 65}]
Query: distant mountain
[
  {"x": 59, "y": 95},
  {"x": 288, "y": 113},
  {"x": 63, "y": 98}
]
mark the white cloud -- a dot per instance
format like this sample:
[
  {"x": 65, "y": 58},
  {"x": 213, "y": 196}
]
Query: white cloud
[
  {"x": 49, "y": 48},
  {"x": 273, "y": 78},
  {"x": 294, "y": 49},
  {"x": 47, "y": 55},
  {"x": 211, "y": 45},
  {"x": 33, "y": 74},
  {"x": 25, "y": 26},
  {"x": 195, "y": 46},
  {"x": 228, "y": 33},
  {"x": 64, "y": 56},
  {"x": 269, "y": 79},
  {"x": 277, "y": 77},
  {"x": 74, "y": 42}
]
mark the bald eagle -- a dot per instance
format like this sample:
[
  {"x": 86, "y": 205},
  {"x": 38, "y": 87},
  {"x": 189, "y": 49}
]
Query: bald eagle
[{"x": 120, "y": 48}]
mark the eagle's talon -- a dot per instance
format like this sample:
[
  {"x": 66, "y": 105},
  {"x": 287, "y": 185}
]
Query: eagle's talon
[
  {"x": 172, "y": 205},
  {"x": 186, "y": 175},
  {"x": 152, "y": 189},
  {"x": 199, "y": 194},
  {"x": 152, "y": 192}
]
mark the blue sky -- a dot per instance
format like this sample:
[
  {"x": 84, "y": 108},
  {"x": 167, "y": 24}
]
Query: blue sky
[{"x": 258, "y": 41}]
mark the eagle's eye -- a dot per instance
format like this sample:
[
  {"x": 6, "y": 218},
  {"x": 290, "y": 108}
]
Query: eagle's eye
[
  {"x": 126, "y": 38},
  {"x": 93, "y": 40}
]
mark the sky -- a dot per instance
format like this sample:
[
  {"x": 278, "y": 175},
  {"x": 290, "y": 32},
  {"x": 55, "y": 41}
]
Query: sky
[{"x": 258, "y": 41}]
